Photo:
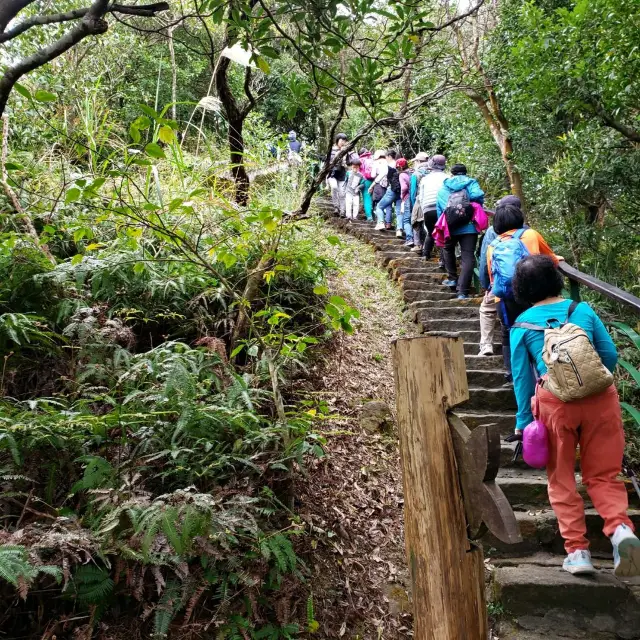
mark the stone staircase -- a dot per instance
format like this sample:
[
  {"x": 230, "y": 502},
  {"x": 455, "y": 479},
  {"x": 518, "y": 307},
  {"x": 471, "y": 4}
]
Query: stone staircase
[{"x": 534, "y": 597}]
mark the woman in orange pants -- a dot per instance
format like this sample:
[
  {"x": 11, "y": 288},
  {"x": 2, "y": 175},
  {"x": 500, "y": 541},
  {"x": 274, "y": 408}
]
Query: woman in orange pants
[{"x": 593, "y": 422}]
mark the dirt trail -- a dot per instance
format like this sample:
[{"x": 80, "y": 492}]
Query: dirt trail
[{"x": 353, "y": 499}]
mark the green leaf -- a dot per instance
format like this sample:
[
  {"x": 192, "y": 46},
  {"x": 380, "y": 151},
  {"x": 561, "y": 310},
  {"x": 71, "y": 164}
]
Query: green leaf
[
  {"x": 320, "y": 290},
  {"x": 263, "y": 65},
  {"x": 166, "y": 135},
  {"x": 134, "y": 133},
  {"x": 22, "y": 90},
  {"x": 45, "y": 96},
  {"x": 337, "y": 301},
  {"x": 72, "y": 195},
  {"x": 334, "y": 240},
  {"x": 633, "y": 412},
  {"x": 154, "y": 150},
  {"x": 77, "y": 259},
  {"x": 626, "y": 330},
  {"x": 13, "y": 166},
  {"x": 633, "y": 372}
]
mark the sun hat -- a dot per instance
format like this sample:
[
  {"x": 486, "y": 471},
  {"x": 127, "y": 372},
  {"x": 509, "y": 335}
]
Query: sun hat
[{"x": 421, "y": 157}]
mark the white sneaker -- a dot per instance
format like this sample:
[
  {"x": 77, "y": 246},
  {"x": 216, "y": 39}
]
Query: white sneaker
[
  {"x": 579, "y": 562},
  {"x": 626, "y": 552},
  {"x": 398, "y": 233},
  {"x": 486, "y": 350},
  {"x": 379, "y": 226}
]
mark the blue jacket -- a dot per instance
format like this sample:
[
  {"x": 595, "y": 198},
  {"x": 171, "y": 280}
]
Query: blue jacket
[
  {"x": 483, "y": 268},
  {"x": 526, "y": 347},
  {"x": 457, "y": 183}
]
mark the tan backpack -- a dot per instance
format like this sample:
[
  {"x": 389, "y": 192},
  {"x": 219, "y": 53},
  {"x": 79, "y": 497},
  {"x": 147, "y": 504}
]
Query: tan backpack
[{"x": 574, "y": 367}]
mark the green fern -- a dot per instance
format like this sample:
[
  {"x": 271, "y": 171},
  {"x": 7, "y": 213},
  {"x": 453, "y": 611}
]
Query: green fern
[
  {"x": 170, "y": 603},
  {"x": 16, "y": 569},
  {"x": 97, "y": 473},
  {"x": 92, "y": 584}
]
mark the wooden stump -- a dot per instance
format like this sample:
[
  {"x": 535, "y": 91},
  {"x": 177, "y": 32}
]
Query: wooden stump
[{"x": 447, "y": 571}]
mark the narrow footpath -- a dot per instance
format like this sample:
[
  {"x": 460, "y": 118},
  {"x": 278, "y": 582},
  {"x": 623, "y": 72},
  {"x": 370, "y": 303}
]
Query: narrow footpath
[{"x": 531, "y": 597}]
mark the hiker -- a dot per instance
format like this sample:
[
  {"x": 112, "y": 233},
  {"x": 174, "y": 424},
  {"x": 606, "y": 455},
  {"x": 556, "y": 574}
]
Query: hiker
[
  {"x": 594, "y": 421},
  {"x": 368, "y": 172},
  {"x": 420, "y": 170},
  {"x": 513, "y": 242},
  {"x": 454, "y": 202},
  {"x": 355, "y": 184},
  {"x": 391, "y": 196},
  {"x": 430, "y": 186},
  {"x": 379, "y": 174},
  {"x": 403, "y": 218},
  {"x": 337, "y": 176},
  {"x": 488, "y": 307}
]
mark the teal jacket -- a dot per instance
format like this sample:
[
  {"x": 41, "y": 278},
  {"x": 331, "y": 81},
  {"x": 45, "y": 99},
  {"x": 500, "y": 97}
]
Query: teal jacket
[
  {"x": 457, "y": 183},
  {"x": 526, "y": 348},
  {"x": 413, "y": 187}
]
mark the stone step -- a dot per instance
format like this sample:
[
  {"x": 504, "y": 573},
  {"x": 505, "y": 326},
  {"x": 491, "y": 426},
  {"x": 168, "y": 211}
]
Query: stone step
[
  {"x": 472, "y": 348},
  {"x": 452, "y": 325},
  {"x": 436, "y": 297},
  {"x": 424, "y": 300},
  {"x": 528, "y": 490},
  {"x": 415, "y": 269},
  {"x": 502, "y": 399},
  {"x": 431, "y": 277},
  {"x": 412, "y": 295},
  {"x": 472, "y": 337},
  {"x": 539, "y": 529},
  {"x": 506, "y": 420},
  {"x": 474, "y": 361},
  {"x": 459, "y": 312},
  {"x": 548, "y": 600},
  {"x": 485, "y": 377}
]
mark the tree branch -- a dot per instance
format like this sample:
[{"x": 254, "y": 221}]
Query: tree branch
[
  {"x": 149, "y": 10},
  {"x": 462, "y": 16},
  {"x": 610, "y": 121},
  {"x": 9, "y": 9}
]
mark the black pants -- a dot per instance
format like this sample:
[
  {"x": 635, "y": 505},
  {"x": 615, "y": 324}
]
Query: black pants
[
  {"x": 430, "y": 219},
  {"x": 419, "y": 235},
  {"x": 467, "y": 242},
  {"x": 508, "y": 311}
]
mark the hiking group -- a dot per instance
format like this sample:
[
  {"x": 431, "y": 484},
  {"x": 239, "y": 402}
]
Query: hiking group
[{"x": 557, "y": 353}]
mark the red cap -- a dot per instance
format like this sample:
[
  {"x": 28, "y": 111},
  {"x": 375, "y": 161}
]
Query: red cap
[{"x": 401, "y": 163}]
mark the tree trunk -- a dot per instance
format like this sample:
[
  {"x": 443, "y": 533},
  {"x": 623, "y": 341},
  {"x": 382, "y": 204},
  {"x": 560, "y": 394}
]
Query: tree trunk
[
  {"x": 238, "y": 169},
  {"x": 235, "y": 119},
  {"x": 499, "y": 128}
]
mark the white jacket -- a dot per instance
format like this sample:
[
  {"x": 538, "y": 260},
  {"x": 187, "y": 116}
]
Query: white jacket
[{"x": 429, "y": 187}]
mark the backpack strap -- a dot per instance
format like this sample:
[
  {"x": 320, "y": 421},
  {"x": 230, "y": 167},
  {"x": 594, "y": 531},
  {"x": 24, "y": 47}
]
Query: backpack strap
[
  {"x": 518, "y": 234},
  {"x": 527, "y": 325},
  {"x": 572, "y": 308}
]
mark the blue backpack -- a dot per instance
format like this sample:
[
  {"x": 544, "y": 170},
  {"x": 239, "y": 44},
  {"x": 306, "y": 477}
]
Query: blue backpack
[{"x": 507, "y": 252}]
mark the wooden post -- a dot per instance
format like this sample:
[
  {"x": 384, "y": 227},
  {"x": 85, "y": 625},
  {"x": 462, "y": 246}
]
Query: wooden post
[{"x": 447, "y": 572}]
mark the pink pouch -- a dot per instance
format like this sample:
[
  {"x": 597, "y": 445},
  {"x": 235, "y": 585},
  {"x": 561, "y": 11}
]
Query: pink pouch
[
  {"x": 480, "y": 219},
  {"x": 441, "y": 231},
  {"x": 535, "y": 441}
]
